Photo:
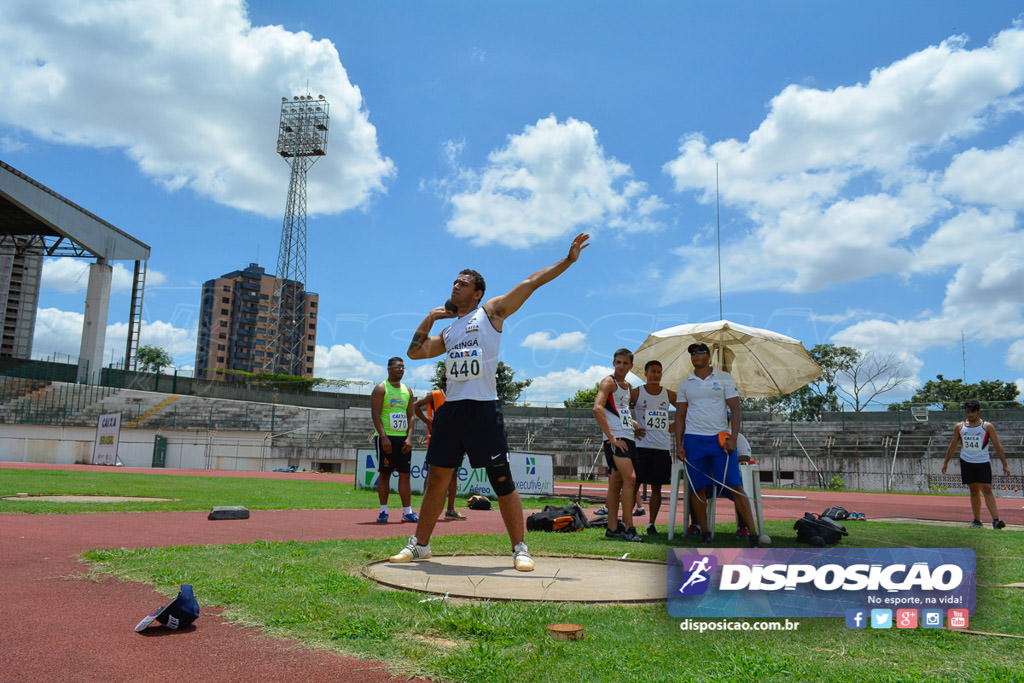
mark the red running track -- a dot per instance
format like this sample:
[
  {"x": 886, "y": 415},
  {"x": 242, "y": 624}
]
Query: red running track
[{"x": 58, "y": 625}]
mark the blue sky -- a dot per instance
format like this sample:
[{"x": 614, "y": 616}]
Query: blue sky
[{"x": 870, "y": 159}]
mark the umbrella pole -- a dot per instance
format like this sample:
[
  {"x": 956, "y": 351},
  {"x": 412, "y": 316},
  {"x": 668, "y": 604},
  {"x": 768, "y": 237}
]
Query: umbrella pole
[{"x": 821, "y": 479}]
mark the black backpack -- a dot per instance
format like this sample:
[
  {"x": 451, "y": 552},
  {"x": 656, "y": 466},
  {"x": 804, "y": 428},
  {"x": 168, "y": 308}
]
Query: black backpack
[
  {"x": 552, "y": 518},
  {"x": 812, "y": 526},
  {"x": 836, "y": 512},
  {"x": 478, "y": 502}
]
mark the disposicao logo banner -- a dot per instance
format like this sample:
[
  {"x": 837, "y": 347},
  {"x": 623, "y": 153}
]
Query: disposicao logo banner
[{"x": 794, "y": 582}]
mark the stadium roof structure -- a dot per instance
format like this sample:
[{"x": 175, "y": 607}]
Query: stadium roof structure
[{"x": 33, "y": 215}]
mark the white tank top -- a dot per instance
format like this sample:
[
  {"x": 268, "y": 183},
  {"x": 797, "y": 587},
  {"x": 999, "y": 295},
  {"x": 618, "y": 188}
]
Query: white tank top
[
  {"x": 620, "y": 420},
  {"x": 975, "y": 443},
  {"x": 652, "y": 414},
  {"x": 471, "y": 357}
]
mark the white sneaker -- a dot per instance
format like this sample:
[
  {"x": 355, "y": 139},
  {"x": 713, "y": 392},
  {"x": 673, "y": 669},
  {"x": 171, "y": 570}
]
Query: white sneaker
[
  {"x": 413, "y": 551},
  {"x": 521, "y": 558}
]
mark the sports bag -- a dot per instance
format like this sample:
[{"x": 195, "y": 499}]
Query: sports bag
[
  {"x": 837, "y": 513},
  {"x": 478, "y": 502},
  {"x": 552, "y": 518},
  {"x": 812, "y": 526}
]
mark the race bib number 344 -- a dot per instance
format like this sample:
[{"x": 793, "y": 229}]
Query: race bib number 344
[{"x": 464, "y": 364}]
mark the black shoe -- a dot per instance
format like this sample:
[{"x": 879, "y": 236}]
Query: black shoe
[
  {"x": 755, "y": 541},
  {"x": 632, "y": 536},
  {"x": 619, "y": 532},
  {"x": 639, "y": 512},
  {"x": 998, "y": 524},
  {"x": 652, "y": 530},
  {"x": 705, "y": 538}
]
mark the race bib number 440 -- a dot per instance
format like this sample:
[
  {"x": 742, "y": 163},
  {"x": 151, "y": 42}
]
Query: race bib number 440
[{"x": 464, "y": 364}]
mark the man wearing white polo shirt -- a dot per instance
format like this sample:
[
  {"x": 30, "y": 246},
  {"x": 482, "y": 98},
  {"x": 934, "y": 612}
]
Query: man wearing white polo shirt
[{"x": 707, "y": 404}]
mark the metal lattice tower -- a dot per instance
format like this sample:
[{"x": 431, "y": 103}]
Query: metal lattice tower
[{"x": 301, "y": 140}]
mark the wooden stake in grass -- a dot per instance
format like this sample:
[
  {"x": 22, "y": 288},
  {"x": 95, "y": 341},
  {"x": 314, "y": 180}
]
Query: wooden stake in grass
[{"x": 566, "y": 631}]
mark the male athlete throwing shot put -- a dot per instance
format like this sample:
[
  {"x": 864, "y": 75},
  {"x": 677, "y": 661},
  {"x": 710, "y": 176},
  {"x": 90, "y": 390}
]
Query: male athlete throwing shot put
[{"x": 470, "y": 421}]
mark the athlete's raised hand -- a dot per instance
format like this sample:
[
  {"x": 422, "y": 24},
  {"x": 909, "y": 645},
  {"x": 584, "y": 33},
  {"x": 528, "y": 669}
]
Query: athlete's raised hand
[{"x": 579, "y": 243}]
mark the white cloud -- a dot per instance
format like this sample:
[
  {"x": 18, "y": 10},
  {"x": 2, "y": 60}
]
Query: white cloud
[
  {"x": 60, "y": 332},
  {"x": 567, "y": 341},
  {"x": 70, "y": 275},
  {"x": 1015, "y": 355},
  {"x": 560, "y": 385},
  {"x": 178, "y": 342},
  {"x": 551, "y": 180},
  {"x": 57, "y": 332},
  {"x": 344, "y": 361},
  {"x": 837, "y": 185},
  {"x": 868, "y": 180},
  {"x": 136, "y": 75},
  {"x": 993, "y": 177}
]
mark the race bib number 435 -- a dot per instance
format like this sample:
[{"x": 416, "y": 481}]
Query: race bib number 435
[
  {"x": 656, "y": 420},
  {"x": 464, "y": 364}
]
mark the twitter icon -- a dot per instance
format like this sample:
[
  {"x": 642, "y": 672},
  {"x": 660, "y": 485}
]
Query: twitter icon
[{"x": 881, "y": 618}]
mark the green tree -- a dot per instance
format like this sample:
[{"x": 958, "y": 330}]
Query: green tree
[
  {"x": 949, "y": 394},
  {"x": 291, "y": 383},
  {"x": 773, "y": 405},
  {"x": 808, "y": 403},
  {"x": 583, "y": 398},
  {"x": 153, "y": 358},
  {"x": 437, "y": 381},
  {"x": 509, "y": 388},
  {"x": 848, "y": 377},
  {"x": 834, "y": 361},
  {"x": 870, "y": 377}
]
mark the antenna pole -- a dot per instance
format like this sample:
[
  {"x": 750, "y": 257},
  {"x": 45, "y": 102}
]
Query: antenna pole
[
  {"x": 963, "y": 354},
  {"x": 718, "y": 230}
]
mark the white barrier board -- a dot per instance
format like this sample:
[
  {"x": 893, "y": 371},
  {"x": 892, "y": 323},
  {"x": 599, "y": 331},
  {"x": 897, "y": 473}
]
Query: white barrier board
[{"x": 533, "y": 474}]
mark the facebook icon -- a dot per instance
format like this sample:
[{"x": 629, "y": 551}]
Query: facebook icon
[{"x": 856, "y": 618}]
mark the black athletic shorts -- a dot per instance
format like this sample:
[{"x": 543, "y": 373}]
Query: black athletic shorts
[
  {"x": 653, "y": 466},
  {"x": 473, "y": 428},
  {"x": 975, "y": 472},
  {"x": 396, "y": 461},
  {"x": 610, "y": 450}
]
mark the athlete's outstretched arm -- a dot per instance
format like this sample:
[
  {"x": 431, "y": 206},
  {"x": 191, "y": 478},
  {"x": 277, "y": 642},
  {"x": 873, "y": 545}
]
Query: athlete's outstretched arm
[{"x": 501, "y": 307}]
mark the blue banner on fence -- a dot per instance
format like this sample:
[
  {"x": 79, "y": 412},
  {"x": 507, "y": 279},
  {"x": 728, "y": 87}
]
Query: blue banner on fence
[{"x": 793, "y": 582}]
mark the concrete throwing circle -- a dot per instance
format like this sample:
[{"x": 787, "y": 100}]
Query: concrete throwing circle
[
  {"x": 556, "y": 578},
  {"x": 87, "y": 499}
]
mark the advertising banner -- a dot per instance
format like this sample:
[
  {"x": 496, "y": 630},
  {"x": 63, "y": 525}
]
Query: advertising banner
[
  {"x": 831, "y": 582},
  {"x": 533, "y": 474},
  {"x": 108, "y": 431}
]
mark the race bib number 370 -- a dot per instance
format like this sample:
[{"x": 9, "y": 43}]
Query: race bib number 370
[
  {"x": 464, "y": 364},
  {"x": 399, "y": 422}
]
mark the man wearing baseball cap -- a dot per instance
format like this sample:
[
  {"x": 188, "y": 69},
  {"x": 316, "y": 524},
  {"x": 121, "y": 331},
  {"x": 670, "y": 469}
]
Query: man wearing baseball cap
[{"x": 707, "y": 404}]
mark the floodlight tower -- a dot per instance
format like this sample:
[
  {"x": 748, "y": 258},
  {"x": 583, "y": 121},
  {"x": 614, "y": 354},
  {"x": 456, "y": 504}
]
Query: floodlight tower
[{"x": 301, "y": 140}]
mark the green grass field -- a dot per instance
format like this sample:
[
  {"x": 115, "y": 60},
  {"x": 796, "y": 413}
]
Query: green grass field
[
  {"x": 187, "y": 493},
  {"x": 314, "y": 593}
]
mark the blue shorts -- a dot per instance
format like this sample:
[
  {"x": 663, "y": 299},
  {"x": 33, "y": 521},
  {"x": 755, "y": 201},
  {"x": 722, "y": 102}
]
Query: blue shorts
[{"x": 705, "y": 460}]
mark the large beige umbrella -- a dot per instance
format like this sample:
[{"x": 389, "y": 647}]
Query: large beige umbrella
[{"x": 763, "y": 363}]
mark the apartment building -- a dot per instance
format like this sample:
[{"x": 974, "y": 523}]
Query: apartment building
[
  {"x": 20, "y": 274},
  {"x": 237, "y": 327}
]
